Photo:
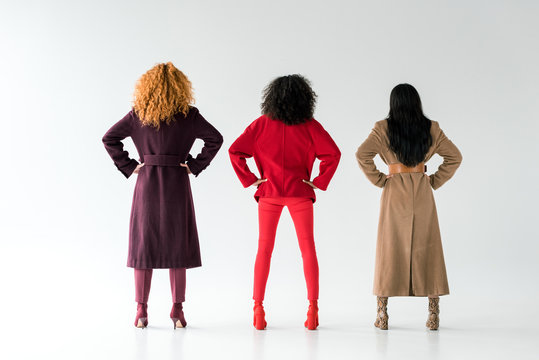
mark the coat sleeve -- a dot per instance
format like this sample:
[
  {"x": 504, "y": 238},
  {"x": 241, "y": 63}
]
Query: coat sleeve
[
  {"x": 329, "y": 155},
  {"x": 365, "y": 157},
  {"x": 114, "y": 146},
  {"x": 452, "y": 159},
  {"x": 239, "y": 151},
  {"x": 212, "y": 143}
]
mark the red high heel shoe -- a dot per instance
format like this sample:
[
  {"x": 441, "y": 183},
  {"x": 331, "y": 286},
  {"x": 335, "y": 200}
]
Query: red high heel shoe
[
  {"x": 141, "y": 320},
  {"x": 312, "y": 315},
  {"x": 176, "y": 314},
  {"x": 259, "y": 321}
]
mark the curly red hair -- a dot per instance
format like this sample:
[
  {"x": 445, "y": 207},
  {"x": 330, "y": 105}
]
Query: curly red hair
[{"x": 160, "y": 93}]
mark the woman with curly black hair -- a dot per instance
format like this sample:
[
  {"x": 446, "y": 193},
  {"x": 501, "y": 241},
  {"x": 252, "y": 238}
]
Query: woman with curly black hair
[{"x": 285, "y": 141}]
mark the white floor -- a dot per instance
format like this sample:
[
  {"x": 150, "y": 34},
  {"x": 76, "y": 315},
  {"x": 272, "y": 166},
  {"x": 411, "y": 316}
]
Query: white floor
[{"x": 470, "y": 329}]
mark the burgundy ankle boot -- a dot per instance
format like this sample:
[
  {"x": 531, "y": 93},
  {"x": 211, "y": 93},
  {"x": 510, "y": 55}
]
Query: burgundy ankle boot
[
  {"x": 141, "y": 321},
  {"x": 176, "y": 314}
]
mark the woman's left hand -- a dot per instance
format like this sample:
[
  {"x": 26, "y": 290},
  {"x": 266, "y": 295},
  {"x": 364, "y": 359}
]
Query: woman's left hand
[
  {"x": 186, "y": 167},
  {"x": 310, "y": 183},
  {"x": 137, "y": 169}
]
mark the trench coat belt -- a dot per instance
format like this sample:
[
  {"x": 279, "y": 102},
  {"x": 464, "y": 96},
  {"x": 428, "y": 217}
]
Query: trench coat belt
[
  {"x": 400, "y": 168},
  {"x": 163, "y": 160}
]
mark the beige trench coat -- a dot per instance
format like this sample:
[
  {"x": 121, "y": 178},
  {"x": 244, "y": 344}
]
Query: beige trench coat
[{"x": 409, "y": 254}]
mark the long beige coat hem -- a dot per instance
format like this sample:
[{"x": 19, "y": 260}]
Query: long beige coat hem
[{"x": 406, "y": 293}]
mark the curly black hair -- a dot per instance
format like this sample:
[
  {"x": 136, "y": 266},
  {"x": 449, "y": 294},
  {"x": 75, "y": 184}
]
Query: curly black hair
[{"x": 289, "y": 99}]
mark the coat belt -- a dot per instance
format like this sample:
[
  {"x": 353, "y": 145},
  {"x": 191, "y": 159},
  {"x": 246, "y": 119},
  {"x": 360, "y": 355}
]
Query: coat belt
[
  {"x": 400, "y": 168},
  {"x": 163, "y": 160}
]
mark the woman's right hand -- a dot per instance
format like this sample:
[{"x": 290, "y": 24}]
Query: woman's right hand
[
  {"x": 137, "y": 169},
  {"x": 259, "y": 181}
]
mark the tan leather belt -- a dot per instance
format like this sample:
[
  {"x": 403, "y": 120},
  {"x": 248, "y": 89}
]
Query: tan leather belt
[{"x": 400, "y": 168}]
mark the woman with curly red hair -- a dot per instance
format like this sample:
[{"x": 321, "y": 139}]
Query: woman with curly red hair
[
  {"x": 162, "y": 234},
  {"x": 285, "y": 141}
]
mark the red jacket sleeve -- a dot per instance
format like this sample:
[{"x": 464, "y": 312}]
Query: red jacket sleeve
[
  {"x": 114, "y": 146},
  {"x": 327, "y": 152},
  {"x": 239, "y": 151}
]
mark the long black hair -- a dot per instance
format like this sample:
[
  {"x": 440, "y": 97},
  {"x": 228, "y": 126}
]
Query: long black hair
[
  {"x": 408, "y": 128},
  {"x": 289, "y": 99}
]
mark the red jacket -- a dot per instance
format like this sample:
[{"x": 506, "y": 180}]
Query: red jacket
[{"x": 284, "y": 155}]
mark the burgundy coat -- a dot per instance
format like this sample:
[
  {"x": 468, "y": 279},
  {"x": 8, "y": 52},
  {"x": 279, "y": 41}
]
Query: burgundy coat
[
  {"x": 284, "y": 155},
  {"x": 163, "y": 232}
]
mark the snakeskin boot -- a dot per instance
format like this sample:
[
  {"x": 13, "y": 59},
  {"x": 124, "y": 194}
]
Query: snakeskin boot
[
  {"x": 434, "y": 309},
  {"x": 381, "y": 317}
]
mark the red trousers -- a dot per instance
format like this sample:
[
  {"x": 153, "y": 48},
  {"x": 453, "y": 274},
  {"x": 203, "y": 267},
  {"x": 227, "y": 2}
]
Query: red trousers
[
  {"x": 143, "y": 282},
  {"x": 269, "y": 212}
]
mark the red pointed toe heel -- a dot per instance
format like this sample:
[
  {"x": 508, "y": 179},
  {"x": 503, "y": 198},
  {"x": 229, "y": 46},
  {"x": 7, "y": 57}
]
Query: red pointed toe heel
[
  {"x": 141, "y": 320},
  {"x": 259, "y": 320},
  {"x": 312, "y": 315},
  {"x": 176, "y": 314}
]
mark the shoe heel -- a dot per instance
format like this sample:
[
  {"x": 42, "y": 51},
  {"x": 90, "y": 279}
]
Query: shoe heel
[
  {"x": 382, "y": 323},
  {"x": 312, "y": 315},
  {"x": 177, "y": 323},
  {"x": 141, "y": 324},
  {"x": 433, "y": 324},
  {"x": 312, "y": 322},
  {"x": 260, "y": 322}
]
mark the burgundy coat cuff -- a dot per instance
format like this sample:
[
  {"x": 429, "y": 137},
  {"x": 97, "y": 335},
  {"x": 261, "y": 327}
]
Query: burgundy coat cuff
[{"x": 127, "y": 170}]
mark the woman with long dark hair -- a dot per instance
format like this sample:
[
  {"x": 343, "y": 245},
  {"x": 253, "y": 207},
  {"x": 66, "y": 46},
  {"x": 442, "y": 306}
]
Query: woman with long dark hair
[
  {"x": 409, "y": 255},
  {"x": 285, "y": 141},
  {"x": 163, "y": 125}
]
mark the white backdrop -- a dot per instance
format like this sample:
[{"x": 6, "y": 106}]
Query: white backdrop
[{"x": 67, "y": 73}]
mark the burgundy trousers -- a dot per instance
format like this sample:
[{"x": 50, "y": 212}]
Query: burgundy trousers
[{"x": 143, "y": 282}]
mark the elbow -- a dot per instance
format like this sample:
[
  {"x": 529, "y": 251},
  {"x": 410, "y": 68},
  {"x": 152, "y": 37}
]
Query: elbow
[
  {"x": 232, "y": 149},
  {"x": 360, "y": 159},
  {"x": 456, "y": 159},
  {"x": 359, "y": 155},
  {"x": 219, "y": 139},
  {"x": 233, "y": 155},
  {"x": 459, "y": 158}
]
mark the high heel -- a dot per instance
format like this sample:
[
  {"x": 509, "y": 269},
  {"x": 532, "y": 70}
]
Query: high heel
[
  {"x": 433, "y": 321},
  {"x": 312, "y": 315},
  {"x": 177, "y": 317},
  {"x": 141, "y": 320},
  {"x": 381, "y": 315},
  {"x": 259, "y": 321}
]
